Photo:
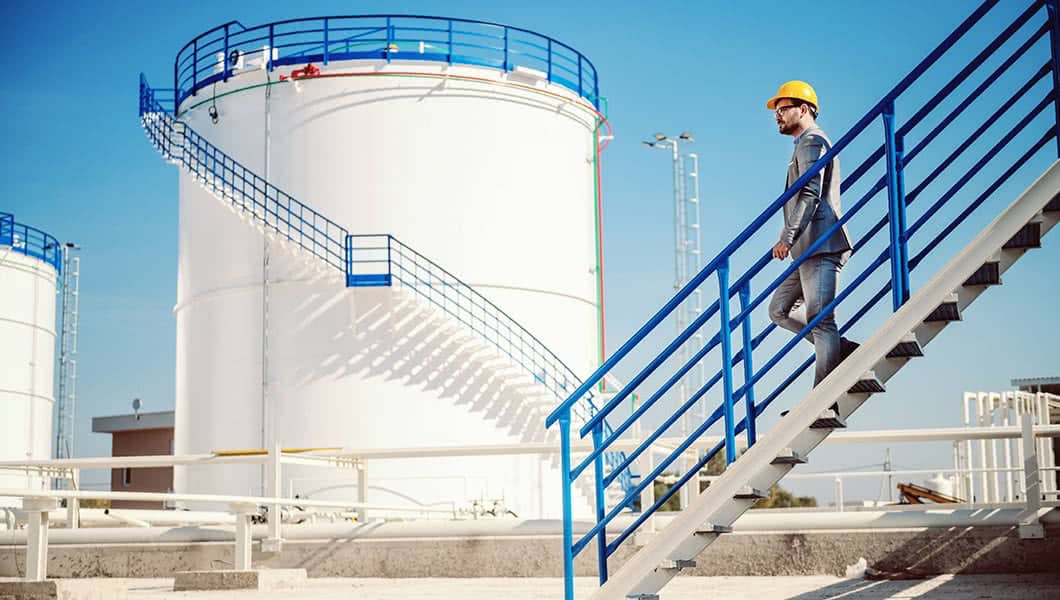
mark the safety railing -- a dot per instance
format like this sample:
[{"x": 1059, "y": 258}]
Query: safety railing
[
  {"x": 1007, "y": 150},
  {"x": 392, "y": 261},
  {"x": 29, "y": 241},
  {"x": 384, "y": 260},
  {"x": 228, "y": 49}
]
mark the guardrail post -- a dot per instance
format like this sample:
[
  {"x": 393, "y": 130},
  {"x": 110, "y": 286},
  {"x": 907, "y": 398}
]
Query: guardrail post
[
  {"x": 37, "y": 536},
  {"x": 505, "y": 49},
  {"x": 1029, "y": 526},
  {"x": 362, "y": 491},
  {"x": 349, "y": 260},
  {"x": 274, "y": 542},
  {"x": 450, "y": 43},
  {"x": 224, "y": 63},
  {"x": 748, "y": 366},
  {"x": 896, "y": 210},
  {"x": 272, "y": 44},
  {"x": 601, "y": 506},
  {"x": 73, "y": 505},
  {"x": 1053, "y": 11},
  {"x": 325, "y": 41},
  {"x": 389, "y": 39},
  {"x": 550, "y": 60},
  {"x": 194, "y": 66},
  {"x": 726, "y": 358},
  {"x": 242, "y": 557},
  {"x": 389, "y": 260},
  {"x": 568, "y": 524}
]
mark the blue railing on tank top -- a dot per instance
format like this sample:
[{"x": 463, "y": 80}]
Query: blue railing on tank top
[
  {"x": 1037, "y": 102},
  {"x": 218, "y": 53},
  {"x": 294, "y": 222},
  {"x": 29, "y": 241}
]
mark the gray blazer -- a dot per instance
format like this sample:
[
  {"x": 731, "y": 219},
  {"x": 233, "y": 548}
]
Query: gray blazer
[{"x": 809, "y": 213}]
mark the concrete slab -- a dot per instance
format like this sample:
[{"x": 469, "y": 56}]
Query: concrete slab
[
  {"x": 262, "y": 580},
  {"x": 820, "y": 587},
  {"x": 63, "y": 589}
]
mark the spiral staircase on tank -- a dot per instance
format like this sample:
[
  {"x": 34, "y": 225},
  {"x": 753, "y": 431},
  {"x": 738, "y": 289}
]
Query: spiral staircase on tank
[{"x": 494, "y": 355}]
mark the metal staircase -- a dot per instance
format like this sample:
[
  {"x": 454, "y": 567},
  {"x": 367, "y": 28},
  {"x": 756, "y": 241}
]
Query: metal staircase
[
  {"x": 1015, "y": 127},
  {"x": 529, "y": 375}
]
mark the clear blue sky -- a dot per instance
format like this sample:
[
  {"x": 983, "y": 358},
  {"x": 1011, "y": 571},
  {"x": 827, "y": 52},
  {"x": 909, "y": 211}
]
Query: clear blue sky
[{"x": 77, "y": 165}]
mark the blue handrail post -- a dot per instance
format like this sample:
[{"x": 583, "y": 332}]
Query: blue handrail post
[
  {"x": 895, "y": 210},
  {"x": 550, "y": 60},
  {"x": 601, "y": 508},
  {"x": 349, "y": 260},
  {"x": 7, "y": 229},
  {"x": 726, "y": 358},
  {"x": 272, "y": 46},
  {"x": 224, "y": 57},
  {"x": 325, "y": 41},
  {"x": 389, "y": 39},
  {"x": 505, "y": 49},
  {"x": 568, "y": 523},
  {"x": 194, "y": 66},
  {"x": 1053, "y": 12},
  {"x": 450, "y": 42},
  {"x": 389, "y": 260},
  {"x": 748, "y": 365}
]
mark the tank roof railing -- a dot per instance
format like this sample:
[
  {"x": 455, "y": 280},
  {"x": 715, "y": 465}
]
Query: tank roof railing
[
  {"x": 30, "y": 241},
  {"x": 219, "y": 53}
]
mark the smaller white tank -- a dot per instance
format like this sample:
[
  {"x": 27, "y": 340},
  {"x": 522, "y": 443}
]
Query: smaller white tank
[
  {"x": 29, "y": 260},
  {"x": 940, "y": 483}
]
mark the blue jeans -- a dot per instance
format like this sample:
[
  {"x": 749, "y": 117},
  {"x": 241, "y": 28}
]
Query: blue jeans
[{"x": 813, "y": 284}]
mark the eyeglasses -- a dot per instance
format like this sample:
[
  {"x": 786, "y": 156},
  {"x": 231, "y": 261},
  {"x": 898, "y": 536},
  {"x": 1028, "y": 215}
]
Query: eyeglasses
[{"x": 780, "y": 109}]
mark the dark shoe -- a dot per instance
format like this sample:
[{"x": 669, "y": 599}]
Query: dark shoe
[{"x": 846, "y": 348}]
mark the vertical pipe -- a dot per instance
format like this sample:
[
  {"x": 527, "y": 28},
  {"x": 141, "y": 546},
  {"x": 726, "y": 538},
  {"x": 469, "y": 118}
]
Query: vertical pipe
[
  {"x": 992, "y": 453},
  {"x": 389, "y": 39},
  {"x": 894, "y": 201},
  {"x": 1006, "y": 409},
  {"x": 1053, "y": 13},
  {"x": 450, "y": 43},
  {"x": 568, "y": 525},
  {"x": 726, "y": 357},
  {"x": 243, "y": 542},
  {"x": 601, "y": 507},
  {"x": 980, "y": 403},
  {"x": 389, "y": 260},
  {"x": 362, "y": 491},
  {"x": 903, "y": 247},
  {"x": 37, "y": 545},
  {"x": 349, "y": 260},
  {"x": 1022, "y": 408},
  {"x": 506, "y": 51},
  {"x": 839, "y": 494},
  {"x": 748, "y": 365}
]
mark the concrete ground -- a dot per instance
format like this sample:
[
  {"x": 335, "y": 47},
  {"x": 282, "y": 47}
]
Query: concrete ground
[{"x": 1021, "y": 587}]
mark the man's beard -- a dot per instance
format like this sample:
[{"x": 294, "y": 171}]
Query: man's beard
[{"x": 787, "y": 128}]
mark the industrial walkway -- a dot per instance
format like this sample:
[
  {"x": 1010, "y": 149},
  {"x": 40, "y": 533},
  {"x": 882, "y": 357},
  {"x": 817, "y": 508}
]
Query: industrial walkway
[{"x": 1022, "y": 587}]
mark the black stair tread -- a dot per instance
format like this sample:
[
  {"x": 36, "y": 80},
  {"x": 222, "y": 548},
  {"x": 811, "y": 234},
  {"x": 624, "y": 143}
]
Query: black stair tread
[
  {"x": 988, "y": 274},
  {"x": 642, "y": 597},
  {"x": 790, "y": 457},
  {"x": 908, "y": 347},
  {"x": 946, "y": 311},
  {"x": 748, "y": 493},
  {"x": 1054, "y": 204},
  {"x": 678, "y": 564},
  {"x": 829, "y": 419},
  {"x": 712, "y": 529},
  {"x": 1030, "y": 236},
  {"x": 868, "y": 384}
]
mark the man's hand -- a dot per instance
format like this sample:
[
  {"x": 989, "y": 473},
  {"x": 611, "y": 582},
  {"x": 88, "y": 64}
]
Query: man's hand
[{"x": 780, "y": 250}]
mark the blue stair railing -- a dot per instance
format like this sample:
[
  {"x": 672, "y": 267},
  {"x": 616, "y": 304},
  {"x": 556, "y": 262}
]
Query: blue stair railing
[
  {"x": 1034, "y": 110},
  {"x": 365, "y": 260},
  {"x": 30, "y": 241},
  {"x": 228, "y": 49}
]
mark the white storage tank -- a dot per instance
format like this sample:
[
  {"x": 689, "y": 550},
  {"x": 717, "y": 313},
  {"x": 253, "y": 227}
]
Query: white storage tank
[
  {"x": 484, "y": 163},
  {"x": 29, "y": 268}
]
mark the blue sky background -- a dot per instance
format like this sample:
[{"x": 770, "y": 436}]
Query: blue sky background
[{"x": 76, "y": 164}]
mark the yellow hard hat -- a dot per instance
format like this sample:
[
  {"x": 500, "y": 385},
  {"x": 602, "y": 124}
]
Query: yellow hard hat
[{"x": 799, "y": 90}]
